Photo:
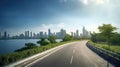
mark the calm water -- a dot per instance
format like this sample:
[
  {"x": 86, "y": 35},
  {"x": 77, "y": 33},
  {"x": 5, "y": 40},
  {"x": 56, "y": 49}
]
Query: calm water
[{"x": 7, "y": 46}]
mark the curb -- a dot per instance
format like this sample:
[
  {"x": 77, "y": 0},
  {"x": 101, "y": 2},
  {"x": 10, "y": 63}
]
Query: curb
[{"x": 37, "y": 57}]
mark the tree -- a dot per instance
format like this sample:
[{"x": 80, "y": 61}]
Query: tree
[
  {"x": 43, "y": 42},
  {"x": 67, "y": 37},
  {"x": 52, "y": 39},
  {"x": 106, "y": 30},
  {"x": 97, "y": 37},
  {"x": 115, "y": 39}
]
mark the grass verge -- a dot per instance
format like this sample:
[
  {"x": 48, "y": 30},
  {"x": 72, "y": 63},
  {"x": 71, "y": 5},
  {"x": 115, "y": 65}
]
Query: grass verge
[{"x": 113, "y": 48}]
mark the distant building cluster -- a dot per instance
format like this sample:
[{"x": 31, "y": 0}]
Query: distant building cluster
[
  {"x": 31, "y": 35},
  {"x": 84, "y": 34},
  {"x": 4, "y": 35}
]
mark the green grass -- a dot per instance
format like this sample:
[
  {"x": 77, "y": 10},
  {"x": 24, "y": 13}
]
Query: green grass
[
  {"x": 15, "y": 56},
  {"x": 113, "y": 48}
]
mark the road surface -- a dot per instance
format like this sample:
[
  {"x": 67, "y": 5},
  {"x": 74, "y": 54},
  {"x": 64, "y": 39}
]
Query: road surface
[{"x": 74, "y": 55}]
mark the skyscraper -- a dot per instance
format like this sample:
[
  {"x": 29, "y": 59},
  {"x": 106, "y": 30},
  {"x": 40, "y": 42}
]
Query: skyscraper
[
  {"x": 5, "y": 34},
  {"x": 63, "y": 32},
  {"x": 77, "y": 33},
  {"x": 27, "y": 34},
  {"x": 41, "y": 35},
  {"x": 49, "y": 32},
  {"x": 0, "y": 35},
  {"x": 45, "y": 35},
  {"x": 31, "y": 34},
  {"x": 85, "y": 32},
  {"x": 34, "y": 35}
]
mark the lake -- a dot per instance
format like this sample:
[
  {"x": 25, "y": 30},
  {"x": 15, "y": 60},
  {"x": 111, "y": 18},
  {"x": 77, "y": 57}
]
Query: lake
[{"x": 7, "y": 46}]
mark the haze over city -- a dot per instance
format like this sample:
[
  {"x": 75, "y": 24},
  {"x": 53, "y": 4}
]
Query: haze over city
[{"x": 40, "y": 15}]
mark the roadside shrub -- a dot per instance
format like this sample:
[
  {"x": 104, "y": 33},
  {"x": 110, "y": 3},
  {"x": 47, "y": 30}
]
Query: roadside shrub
[
  {"x": 15, "y": 56},
  {"x": 43, "y": 42},
  {"x": 52, "y": 39}
]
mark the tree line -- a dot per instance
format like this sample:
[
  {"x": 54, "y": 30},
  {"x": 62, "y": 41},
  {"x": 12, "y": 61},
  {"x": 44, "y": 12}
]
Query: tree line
[{"x": 107, "y": 35}]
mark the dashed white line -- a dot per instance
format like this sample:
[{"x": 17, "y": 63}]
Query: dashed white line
[{"x": 71, "y": 60}]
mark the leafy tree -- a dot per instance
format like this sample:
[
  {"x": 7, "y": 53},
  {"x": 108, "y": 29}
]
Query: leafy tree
[
  {"x": 52, "y": 39},
  {"x": 43, "y": 42},
  {"x": 67, "y": 37},
  {"x": 115, "y": 39},
  {"x": 97, "y": 37},
  {"x": 106, "y": 30}
]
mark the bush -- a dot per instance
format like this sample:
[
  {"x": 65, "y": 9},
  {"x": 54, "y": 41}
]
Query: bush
[
  {"x": 52, "y": 39},
  {"x": 43, "y": 42},
  {"x": 29, "y": 45},
  {"x": 15, "y": 56},
  {"x": 67, "y": 37}
]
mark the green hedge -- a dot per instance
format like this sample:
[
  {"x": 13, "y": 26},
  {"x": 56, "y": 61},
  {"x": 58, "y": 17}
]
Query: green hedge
[{"x": 15, "y": 56}]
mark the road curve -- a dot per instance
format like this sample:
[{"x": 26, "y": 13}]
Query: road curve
[{"x": 74, "y": 55}]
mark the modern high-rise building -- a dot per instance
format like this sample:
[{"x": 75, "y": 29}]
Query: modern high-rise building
[
  {"x": 85, "y": 32},
  {"x": 31, "y": 35},
  {"x": 77, "y": 34},
  {"x": 41, "y": 35},
  {"x": 45, "y": 35},
  {"x": 49, "y": 32},
  {"x": 34, "y": 35},
  {"x": 5, "y": 34},
  {"x": 63, "y": 33},
  {"x": 27, "y": 34},
  {"x": 0, "y": 34}
]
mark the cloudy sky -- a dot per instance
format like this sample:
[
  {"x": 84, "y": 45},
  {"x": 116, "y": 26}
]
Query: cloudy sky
[{"x": 16, "y": 16}]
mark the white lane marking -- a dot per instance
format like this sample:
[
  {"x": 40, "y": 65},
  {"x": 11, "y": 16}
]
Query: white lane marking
[
  {"x": 71, "y": 60},
  {"x": 73, "y": 51},
  {"x": 49, "y": 53}
]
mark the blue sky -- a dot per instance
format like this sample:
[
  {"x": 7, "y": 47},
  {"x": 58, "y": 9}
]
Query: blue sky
[{"x": 16, "y": 16}]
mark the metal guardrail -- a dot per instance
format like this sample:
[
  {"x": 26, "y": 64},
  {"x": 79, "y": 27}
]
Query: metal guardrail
[
  {"x": 110, "y": 56},
  {"x": 107, "y": 52}
]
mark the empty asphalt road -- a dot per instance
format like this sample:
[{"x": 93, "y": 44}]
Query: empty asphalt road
[{"x": 73, "y": 55}]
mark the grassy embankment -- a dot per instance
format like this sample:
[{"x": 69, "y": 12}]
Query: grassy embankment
[
  {"x": 113, "y": 48},
  {"x": 15, "y": 56}
]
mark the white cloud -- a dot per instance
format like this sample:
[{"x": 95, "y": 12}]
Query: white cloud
[
  {"x": 45, "y": 27},
  {"x": 97, "y": 2},
  {"x": 85, "y": 2}
]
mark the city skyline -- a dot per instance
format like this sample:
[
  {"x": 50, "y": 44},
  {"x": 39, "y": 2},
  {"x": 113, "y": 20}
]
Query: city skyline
[
  {"x": 35, "y": 15},
  {"x": 32, "y": 35}
]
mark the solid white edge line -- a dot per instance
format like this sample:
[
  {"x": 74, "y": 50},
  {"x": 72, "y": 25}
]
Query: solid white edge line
[
  {"x": 32, "y": 57},
  {"x": 49, "y": 53},
  {"x": 42, "y": 57}
]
